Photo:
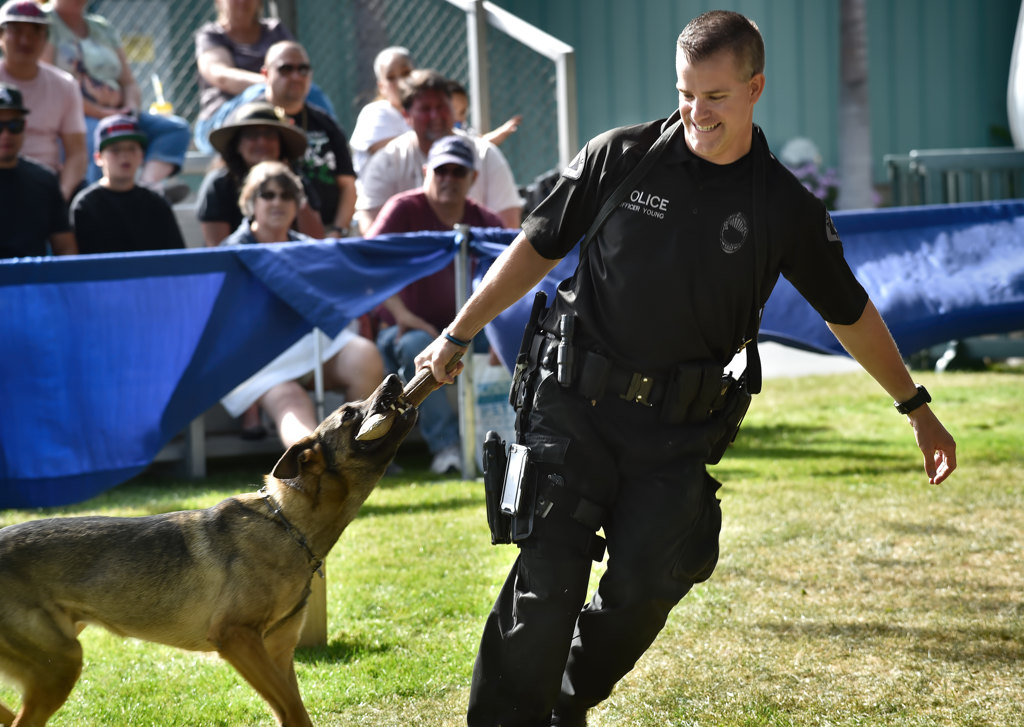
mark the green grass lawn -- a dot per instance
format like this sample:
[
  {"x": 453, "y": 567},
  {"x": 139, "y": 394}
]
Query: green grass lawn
[{"x": 849, "y": 592}]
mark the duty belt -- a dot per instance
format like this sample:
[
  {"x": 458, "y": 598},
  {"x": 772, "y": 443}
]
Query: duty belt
[
  {"x": 688, "y": 392},
  {"x": 595, "y": 376}
]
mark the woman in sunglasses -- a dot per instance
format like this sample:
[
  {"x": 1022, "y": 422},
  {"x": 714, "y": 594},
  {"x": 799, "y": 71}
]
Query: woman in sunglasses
[{"x": 270, "y": 199}]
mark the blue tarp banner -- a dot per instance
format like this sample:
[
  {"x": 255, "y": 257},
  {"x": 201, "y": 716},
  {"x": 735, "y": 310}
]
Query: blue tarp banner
[
  {"x": 936, "y": 273},
  {"x": 105, "y": 358}
]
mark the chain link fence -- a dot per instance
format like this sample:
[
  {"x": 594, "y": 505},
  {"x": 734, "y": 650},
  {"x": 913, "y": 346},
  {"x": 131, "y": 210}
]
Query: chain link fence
[{"x": 342, "y": 38}]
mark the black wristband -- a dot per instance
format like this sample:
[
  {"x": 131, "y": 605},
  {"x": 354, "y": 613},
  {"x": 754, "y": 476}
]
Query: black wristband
[{"x": 921, "y": 397}]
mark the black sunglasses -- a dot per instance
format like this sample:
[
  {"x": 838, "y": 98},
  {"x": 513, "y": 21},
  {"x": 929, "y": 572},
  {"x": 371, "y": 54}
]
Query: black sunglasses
[
  {"x": 15, "y": 126},
  {"x": 288, "y": 69},
  {"x": 270, "y": 195}
]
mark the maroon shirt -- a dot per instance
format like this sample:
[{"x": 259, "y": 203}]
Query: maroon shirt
[{"x": 433, "y": 297}]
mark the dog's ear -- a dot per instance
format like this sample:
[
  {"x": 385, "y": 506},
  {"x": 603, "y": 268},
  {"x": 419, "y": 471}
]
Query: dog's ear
[
  {"x": 300, "y": 453},
  {"x": 288, "y": 465}
]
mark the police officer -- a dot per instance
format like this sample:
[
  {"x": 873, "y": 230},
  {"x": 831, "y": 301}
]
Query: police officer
[{"x": 659, "y": 303}]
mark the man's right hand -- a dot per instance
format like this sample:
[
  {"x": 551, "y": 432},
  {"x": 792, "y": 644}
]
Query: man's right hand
[{"x": 436, "y": 357}]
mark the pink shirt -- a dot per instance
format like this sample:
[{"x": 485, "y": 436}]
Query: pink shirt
[{"x": 54, "y": 102}]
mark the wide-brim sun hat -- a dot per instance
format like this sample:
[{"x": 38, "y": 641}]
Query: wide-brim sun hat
[{"x": 258, "y": 113}]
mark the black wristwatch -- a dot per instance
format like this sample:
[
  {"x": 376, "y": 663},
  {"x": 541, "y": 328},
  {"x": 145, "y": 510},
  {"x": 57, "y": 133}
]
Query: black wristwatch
[{"x": 921, "y": 397}]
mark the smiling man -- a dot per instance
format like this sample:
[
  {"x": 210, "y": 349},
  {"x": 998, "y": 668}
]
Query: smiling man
[
  {"x": 426, "y": 105},
  {"x": 55, "y": 134},
  {"x": 621, "y": 395}
]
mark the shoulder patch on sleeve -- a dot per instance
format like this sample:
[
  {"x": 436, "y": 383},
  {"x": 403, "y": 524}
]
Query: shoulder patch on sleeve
[
  {"x": 575, "y": 169},
  {"x": 830, "y": 229}
]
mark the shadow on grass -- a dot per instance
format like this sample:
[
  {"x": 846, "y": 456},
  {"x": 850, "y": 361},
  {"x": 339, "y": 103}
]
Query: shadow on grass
[
  {"x": 905, "y": 528},
  {"x": 436, "y": 506},
  {"x": 340, "y": 651},
  {"x": 801, "y": 442},
  {"x": 979, "y": 645}
]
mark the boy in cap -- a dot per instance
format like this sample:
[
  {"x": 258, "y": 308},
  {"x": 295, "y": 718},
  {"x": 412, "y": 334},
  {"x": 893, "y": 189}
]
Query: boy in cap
[
  {"x": 35, "y": 211},
  {"x": 115, "y": 214},
  {"x": 423, "y": 308}
]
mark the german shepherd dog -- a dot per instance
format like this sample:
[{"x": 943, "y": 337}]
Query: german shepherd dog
[{"x": 233, "y": 578}]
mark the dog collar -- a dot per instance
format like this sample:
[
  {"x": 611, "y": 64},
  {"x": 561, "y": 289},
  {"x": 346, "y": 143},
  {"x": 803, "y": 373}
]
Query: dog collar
[{"x": 294, "y": 532}]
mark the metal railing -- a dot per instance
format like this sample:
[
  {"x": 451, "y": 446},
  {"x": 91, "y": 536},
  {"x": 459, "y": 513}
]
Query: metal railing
[
  {"x": 946, "y": 176},
  {"x": 561, "y": 54}
]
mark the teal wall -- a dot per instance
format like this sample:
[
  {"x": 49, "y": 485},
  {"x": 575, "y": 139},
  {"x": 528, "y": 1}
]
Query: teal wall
[{"x": 938, "y": 68}]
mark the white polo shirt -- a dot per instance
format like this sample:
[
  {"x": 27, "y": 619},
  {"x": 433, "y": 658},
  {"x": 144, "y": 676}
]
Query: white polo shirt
[{"x": 398, "y": 167}]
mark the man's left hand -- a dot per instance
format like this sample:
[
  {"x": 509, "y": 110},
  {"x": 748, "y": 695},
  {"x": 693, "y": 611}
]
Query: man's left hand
[{"x": 936, "y": 444}]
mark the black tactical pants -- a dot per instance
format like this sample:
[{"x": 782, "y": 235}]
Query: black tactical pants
[{"x": 541, "y": 649}]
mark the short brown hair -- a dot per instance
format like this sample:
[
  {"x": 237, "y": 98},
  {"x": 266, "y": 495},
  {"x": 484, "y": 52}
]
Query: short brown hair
[
  {"x": 420, "y": 81},
  {"x": 718, "y": 30},
  {"x": 260, "y": 175}
]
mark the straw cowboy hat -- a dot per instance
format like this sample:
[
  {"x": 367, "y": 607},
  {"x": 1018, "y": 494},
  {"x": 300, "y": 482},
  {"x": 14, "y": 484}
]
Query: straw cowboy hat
[{"x": 260, "y": 113}]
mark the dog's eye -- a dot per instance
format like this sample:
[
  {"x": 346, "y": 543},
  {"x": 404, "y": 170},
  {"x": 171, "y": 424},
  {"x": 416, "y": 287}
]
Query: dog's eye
[{"x": 348, "y": 415}]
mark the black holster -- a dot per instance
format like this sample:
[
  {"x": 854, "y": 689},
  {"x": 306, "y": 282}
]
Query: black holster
[
  {"x": 495, "y": 462},
  {"x": 725, "y": 423},
  {"x": 517, "y": 392}
]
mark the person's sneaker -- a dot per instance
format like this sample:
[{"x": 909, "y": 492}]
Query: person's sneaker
[{"x": 447, "y": 461}]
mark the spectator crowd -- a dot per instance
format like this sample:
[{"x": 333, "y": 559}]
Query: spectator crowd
[{"x": 90, "y": 171}]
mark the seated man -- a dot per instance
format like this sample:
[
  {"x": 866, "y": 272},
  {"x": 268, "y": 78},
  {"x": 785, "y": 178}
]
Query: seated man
[
  {"x": 423, "y": 308},
  {"x": 38, "y": 214},
  {"x": 115, "y": 214},
  {"x": 426, "y": 103},
  {"x": 327, "y": 163},
  {"x": 57, "y": 124}
]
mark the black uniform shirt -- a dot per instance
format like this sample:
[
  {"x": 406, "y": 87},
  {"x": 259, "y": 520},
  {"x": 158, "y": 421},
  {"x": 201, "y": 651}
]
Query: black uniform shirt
[{"x": 670, "y": 276}]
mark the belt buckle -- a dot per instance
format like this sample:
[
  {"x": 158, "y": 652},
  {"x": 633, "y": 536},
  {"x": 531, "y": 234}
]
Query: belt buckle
[{"x": 639, "y": 389}]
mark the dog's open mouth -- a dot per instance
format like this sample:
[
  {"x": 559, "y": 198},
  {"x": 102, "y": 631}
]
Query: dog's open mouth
[{"x": 390, "y": 407}]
